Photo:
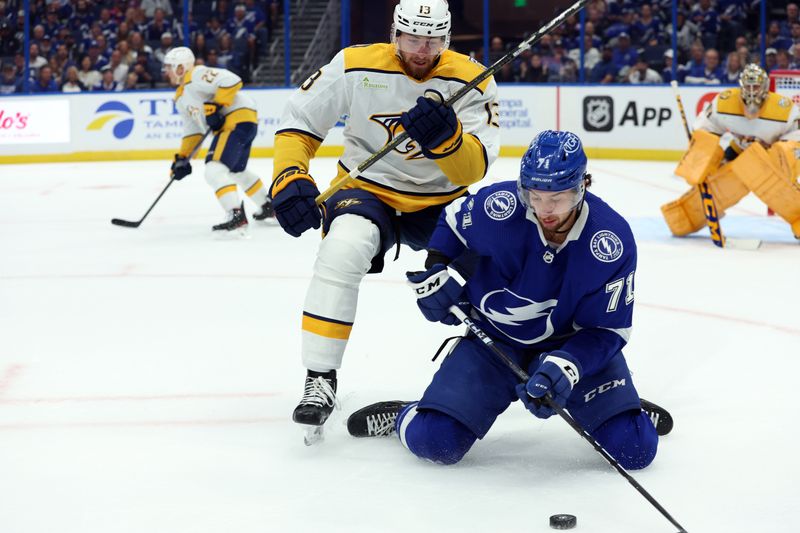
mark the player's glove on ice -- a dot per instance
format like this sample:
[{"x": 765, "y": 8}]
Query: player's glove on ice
[
  {"x": 180, "y": 167},
  {"x": 434, "y": 126},
  {"x": 557, "y": 374},
  {"x": 214, "y": 117},
  {"x": 436, "y": 291},
  {"x": 293, "y": 199}
]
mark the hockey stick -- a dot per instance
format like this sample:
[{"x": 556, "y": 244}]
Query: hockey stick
[
  {"x": 137, "y": 223},
  {"x": 709, "y": 207},
  {"x": 490, "y": 71},
  {"x": 524, "y": 377}
]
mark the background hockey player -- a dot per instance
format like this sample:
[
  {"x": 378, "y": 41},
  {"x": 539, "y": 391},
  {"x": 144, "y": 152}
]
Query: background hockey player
[
  {"x": 379, "y": 87},
  {"x": 762, "y": 156},
  {"x": 553, "y": 288},
  {"x": 211, "y": 98}
]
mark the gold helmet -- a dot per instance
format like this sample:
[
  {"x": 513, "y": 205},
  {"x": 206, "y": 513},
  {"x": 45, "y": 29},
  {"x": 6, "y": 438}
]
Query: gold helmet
[{"x": 755, "y": 88}]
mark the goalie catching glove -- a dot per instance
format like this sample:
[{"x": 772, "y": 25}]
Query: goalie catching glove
[
  {"x": 294, "y": 196},
  {"x": 557, "y": 374},
  {"x": 436, "y": 291}
]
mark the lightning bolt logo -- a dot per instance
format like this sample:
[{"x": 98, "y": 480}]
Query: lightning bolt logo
[{"x": 527, "y": 316}]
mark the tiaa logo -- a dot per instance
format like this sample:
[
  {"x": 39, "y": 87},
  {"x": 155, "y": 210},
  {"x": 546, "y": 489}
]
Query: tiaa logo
[{"x": 113, "y": 111}]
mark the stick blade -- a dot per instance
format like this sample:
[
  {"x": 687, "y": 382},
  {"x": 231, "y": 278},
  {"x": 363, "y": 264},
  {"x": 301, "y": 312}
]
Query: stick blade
[
  {"x": 749, "y": 245},
  {"x": 124, "y": 223}
]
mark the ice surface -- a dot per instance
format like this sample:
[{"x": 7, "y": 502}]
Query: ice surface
[{"x": 147, "y": 376}]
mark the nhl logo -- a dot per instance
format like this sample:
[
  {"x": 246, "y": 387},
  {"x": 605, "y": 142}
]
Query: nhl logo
[{"x": 598, "y": 113}]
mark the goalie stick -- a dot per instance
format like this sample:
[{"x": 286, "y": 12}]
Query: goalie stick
[
  {"x": 709, "y": 207},
  {"x": 490, "y": 71},
  {"x": 137, "y": 223},
  {"x": 524, "y": 377}
]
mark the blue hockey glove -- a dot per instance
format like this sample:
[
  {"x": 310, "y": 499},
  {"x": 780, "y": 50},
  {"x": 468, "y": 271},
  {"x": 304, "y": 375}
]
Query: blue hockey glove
[
  {"x": 180, "y": 167},
  {"x": 436, "y": 291},
  {"x": 214, "y": 117},
  {"x": 294, "y": 196},
  {"x": 557, "y": 375},
  {"x": 431, "y": 123}
]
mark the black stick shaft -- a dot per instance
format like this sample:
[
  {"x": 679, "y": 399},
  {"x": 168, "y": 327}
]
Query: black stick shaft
[
  {"x": 523, "y": 376},
  {"x": 136, "y": 224},
  {"x": 490, "y": 71}
]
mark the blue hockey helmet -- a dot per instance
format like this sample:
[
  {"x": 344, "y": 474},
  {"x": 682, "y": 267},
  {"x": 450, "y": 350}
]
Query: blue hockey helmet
[{"x": 554, "y": 162}]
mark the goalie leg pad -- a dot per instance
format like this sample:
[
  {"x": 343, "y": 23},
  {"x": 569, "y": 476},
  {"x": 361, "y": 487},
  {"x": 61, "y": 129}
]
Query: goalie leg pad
[
  {"x": 219, "y": 178},
  {"x": 343, "y": 259},
  {"x": 772, "y": 176},
  {"x": 433, "y": 435},
  {"x": 701, "y": 159},
  {"x": 686, "y": 214}
]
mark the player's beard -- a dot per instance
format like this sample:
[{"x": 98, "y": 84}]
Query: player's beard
[
  {"x": 554, "y": 228},
  {"x": 417, "y": 65}
]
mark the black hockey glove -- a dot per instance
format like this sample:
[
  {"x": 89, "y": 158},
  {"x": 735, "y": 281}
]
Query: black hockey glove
[
  {"x": 294, "y": 196},
  {"x": 214, "y": 117},
  {"x": 434, "y": 126},
  {"x": 180, "y": 167}
]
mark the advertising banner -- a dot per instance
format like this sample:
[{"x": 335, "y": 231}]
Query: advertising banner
[{"x": 34, "y": 121}]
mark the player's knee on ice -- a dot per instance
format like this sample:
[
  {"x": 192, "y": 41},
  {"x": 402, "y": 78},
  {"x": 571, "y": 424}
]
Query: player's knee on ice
[
  {"x": 434, "y": 436},
  {"x": 630, "y": 438},
  {"x": 345, "y": 254}
]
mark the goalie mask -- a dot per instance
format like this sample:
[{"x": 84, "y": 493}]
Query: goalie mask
[
  {"x": 755, "y": 88},
  {"x": 421, "y": 27}
]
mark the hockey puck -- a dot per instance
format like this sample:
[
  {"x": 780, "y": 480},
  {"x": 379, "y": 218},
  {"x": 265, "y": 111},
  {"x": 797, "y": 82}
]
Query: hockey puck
[{"x": 563, "y": 521}]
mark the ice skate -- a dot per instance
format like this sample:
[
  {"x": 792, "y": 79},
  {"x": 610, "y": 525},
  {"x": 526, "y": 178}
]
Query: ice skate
[
  {"x": 236, "y": 223},
  {"x": 376, "y": 420},
  {"x": 267, "y": 212},
  {"x": 661, "y": 418},
  {"x": 319, "y": 399}
]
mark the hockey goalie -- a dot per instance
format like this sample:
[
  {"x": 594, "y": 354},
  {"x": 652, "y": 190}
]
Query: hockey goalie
[{"x": 762, "y": 156}]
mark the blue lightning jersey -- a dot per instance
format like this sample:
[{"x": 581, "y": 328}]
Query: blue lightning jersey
[{"x": 576, "y": 296}]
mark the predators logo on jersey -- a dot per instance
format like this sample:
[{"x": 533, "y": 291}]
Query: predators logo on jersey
[{"x": 391, "y": 123}]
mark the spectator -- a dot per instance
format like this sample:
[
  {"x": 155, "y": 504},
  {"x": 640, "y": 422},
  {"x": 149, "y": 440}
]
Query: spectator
[
  {"x": 44, "y": 82},
  {"x": 214, "y": 31},
  {"x": 46, "y": 47},
  {"x": 88, "y": 75},
  {"x": 568, "y": 72},
  {"x": 9, "y": 44},
  {"x": 107, "y": 82},
  {"x": 771, "y": 59},
  {"x": 688, "y": 31},
  {"x": 243, "y": 34},
  {"x": 641, "y": 73},
  {"x": 124, "y": 32},
  {"x": 158, "y": 27},
  {"x": 497, "y": 49},
  {"x": 795, "y": 60},
  {"x": 605, "y": 71},
  {"x": 624, "y": 25},
  {"x": 212, "y": 59},
  {"x": 710, "y": 73},
  {"x": 624, "y": 55},
  {"x": 695, "y": 63},
  {"x": 591, "y": 55},
  {"x": 71, "y": 83},
  {"x": 256, "y": 16},
  {"x": 138, "y": 46},
  {"x": 225, "y": 57},
  {"x": 782, "y": 60},
  {"x": 666, "y": 72},
  {"x": 149, "y": 7},
  {"x": 556, "y": 62},
  {"x": 144, "y": 71},
  {"x": 732, "y": 17},
  {"x": 506, "y": 74},
  {"x": 10, "y": 83},
  {"x": 118, "y": 68},
  {"x": 61, "y": 61},
  {"x": 166, "y": 46},
  {"x": 127, "y": 56},
  {"x": 36, "y": 61},
  {"x": 131, "y": 81},
  {"x": 98, "y": 59},
  {"x": 792, "y": 16},
  {"x": 199, "y": 47},
  {"x": 707, "y": 20},
  {"x": 647, "y": 28},
  {"x": 733, "y": 68},
  {"x": 108, "y": 26},
  {"x": 775, "y": 39},
  {"x": 533, "y": 70}
]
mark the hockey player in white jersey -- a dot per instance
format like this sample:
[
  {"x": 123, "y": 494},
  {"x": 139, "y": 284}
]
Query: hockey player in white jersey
[
  {"x": 761, "y": 158},
  {"x": 211, "y": 98},
  {"x": 380, "y": 89}
]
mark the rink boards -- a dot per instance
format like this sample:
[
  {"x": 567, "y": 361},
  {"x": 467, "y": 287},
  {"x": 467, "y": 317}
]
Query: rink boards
[{"x": 621, "y": 122}]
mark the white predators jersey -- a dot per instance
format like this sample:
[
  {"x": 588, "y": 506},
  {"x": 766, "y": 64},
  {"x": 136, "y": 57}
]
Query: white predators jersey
[
  {"x": 777, "y": 119},
  {"x": 206, "y": 84},
  {"x": 366, "y": 85}
]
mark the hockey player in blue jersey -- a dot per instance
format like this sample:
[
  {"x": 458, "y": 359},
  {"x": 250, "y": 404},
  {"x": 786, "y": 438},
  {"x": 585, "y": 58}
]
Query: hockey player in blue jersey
[{"x": 553, "y": 286}]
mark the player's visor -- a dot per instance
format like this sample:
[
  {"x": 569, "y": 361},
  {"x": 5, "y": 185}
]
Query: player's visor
[
  {"x": 415, "y": 44},
  {"x": 545, "y": 203}
]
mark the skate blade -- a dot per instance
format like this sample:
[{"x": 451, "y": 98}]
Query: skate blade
[{"x": 314, "y": 435}]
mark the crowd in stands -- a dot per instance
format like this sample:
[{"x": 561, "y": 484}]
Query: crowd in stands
[
  {"x": 629, "y": 41},
  {"x": 94, "y": 45}
]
